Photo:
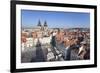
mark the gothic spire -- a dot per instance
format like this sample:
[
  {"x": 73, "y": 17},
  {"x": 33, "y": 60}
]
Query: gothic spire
[
  {"x": 45, "y": 24},
  {"x": 39, "y": 23}
]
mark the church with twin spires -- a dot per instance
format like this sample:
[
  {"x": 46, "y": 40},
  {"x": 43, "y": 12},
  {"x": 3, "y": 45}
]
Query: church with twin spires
[{"x": 43, "y": 27}]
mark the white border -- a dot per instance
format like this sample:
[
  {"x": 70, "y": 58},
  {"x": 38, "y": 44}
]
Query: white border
[{"x": 20, "y": 65}]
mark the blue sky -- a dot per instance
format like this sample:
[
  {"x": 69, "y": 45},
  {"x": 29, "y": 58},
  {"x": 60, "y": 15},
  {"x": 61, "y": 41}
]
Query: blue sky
[{"x": 30, "y": 18}]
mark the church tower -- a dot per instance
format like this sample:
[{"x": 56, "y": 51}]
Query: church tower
[
  {"x": 45, "y": 29},
  {"x": 45, "y": 26},
  {"x": 39, "y": 24}
]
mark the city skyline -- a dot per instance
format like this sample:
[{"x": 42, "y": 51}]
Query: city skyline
[{"x": 30, "y": 18}]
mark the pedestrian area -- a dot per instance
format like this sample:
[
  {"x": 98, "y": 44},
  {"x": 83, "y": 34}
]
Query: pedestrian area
[{"x": 46, "y": 53}]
